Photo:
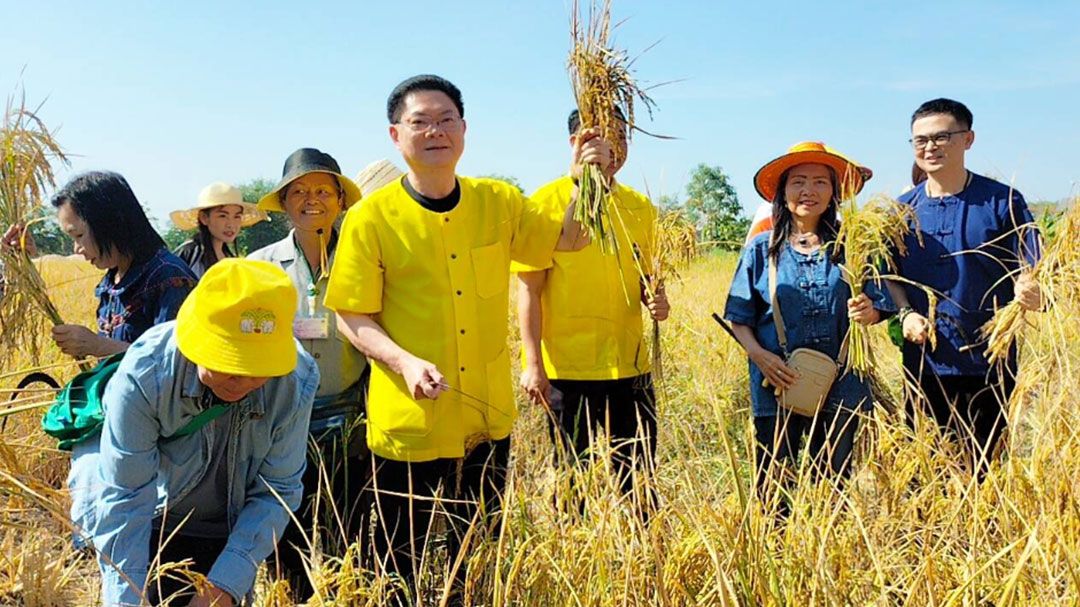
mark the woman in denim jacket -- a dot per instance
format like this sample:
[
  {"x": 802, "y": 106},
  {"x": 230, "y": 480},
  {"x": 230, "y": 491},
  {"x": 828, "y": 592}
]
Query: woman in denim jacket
[
  {"x": 816, "y": 306},
  {"x": 220, "y": 494}
]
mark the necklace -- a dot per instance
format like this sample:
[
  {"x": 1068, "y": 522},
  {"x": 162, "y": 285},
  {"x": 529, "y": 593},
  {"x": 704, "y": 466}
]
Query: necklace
[{"x": 803, "y": 240}]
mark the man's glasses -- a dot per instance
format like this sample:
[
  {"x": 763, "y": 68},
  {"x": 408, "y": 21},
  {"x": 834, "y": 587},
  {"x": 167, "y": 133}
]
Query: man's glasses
[
  {"x": 939, "y": 139},
  {"x": 424, "y": 125}
]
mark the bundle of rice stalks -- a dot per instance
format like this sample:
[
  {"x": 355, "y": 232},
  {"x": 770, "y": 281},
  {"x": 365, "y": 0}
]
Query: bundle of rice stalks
[
  {"x": 868, "y": 237},
  {"x": 1058, "y": 275},
  {"x": 603, "y": 88},
  {"x": 27, "y": 151}
]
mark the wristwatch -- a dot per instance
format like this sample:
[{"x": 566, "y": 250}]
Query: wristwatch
[{"x": 902, "y": 314}]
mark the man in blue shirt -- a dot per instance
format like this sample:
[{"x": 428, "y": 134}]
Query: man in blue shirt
[
  {"x": 203, "y": 444},
  {"x": 975, "y": 247}
]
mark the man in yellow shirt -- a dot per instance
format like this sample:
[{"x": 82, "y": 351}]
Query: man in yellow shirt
[
  {"x": 585, "y": 355},
  {"x": 421, "y": 286}
]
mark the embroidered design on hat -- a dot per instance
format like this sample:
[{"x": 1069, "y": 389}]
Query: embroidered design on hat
[{"x": 259, "y": 320}]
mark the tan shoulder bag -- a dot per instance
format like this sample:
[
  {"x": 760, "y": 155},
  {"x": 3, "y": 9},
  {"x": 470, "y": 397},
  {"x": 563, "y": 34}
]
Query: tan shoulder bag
[{"x": 817, "y": 371}]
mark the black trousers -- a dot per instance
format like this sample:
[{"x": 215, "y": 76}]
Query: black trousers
[
  {"x": 778, "y": 439},
  {"x": 624, "y": 408},
  {"x": 970, "y": 409},
  {"x": 469, "y": 491},
  {"x": 202, "y": 551},
  {"x": 334, "y": 482}
]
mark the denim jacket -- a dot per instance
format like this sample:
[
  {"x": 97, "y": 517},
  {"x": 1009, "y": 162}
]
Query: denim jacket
[
  {"x": 813, "y": 303},
  {"x": 125, "y": 480}
]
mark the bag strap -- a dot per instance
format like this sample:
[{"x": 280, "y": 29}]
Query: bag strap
[
  {"x": 204, "y": 417},
  {"x": 778, "y": 319}
]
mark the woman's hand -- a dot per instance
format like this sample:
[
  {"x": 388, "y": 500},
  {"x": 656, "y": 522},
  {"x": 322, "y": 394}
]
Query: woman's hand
[
  {"x": 590, "y": 148},
  {"x": 19, "y": 238},
  {"x": 78, "y": 341},
  {"x": 861, "y": 310},
  {"x": 212, "y": 596},
  {"x": 1027, "y": 292},
  {"x": 658, "y": 305},
  {"x": 775, "y": 369}
]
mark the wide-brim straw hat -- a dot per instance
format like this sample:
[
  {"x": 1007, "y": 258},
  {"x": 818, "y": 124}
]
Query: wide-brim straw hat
[
  {"x": 850, "y": 174},
  {"x": 303, "y": 162},
  {"x": 217, "y": 194},
  {"x": 376, "y": 175},
  {"x": 239, "y": 319}
]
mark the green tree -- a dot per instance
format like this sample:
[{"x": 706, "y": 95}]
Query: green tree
[
  {"x": 48, "y": 237},
  {"x": 265, "y": 232},
  {"x": 714, "y": 207}
]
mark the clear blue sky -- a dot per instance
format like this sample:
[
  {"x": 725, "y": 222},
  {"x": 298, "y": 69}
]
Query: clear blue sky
[{"x": 175, "y": 95}]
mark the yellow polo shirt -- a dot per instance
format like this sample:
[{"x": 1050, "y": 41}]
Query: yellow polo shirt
[
  {"x": 591, "y": 301},
  {"x": 438, "y": 284}
]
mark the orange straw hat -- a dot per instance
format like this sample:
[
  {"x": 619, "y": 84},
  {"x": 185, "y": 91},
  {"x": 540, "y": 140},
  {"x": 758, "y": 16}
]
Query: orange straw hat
[{"x": 767, "y": 178}]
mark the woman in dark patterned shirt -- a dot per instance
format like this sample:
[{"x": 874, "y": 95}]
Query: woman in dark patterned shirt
[{"x": 144, "y": 283}]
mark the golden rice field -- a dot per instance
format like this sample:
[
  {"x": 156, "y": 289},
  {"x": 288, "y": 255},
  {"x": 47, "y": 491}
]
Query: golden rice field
[{"x": 911, "y": 528}]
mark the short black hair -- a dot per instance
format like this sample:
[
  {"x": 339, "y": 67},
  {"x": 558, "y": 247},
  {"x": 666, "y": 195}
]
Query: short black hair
[
  {"x": 116, "y": 220},
  {"x": 957, "y": 110},
  {"x": 573, "y": 122},
  {"x": 423, "y": 82}
]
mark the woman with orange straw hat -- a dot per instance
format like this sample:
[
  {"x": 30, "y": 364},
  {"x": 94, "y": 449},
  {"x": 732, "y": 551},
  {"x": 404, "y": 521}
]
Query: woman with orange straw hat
[
  {"x": 219, "y": 215},
  {"x": 813, "y": 308}
]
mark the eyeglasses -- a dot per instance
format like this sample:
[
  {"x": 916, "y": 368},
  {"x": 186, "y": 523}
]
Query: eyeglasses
[
  {"x": 300, "y": 194},
  {"x": 450, "y": 124},
  {"x": 939, "y": 139}
]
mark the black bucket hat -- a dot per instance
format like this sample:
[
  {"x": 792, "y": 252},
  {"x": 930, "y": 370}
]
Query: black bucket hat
[{"x": 305, "y": 161}]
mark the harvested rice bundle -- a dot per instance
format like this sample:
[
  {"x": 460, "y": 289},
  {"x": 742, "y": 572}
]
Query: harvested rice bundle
[
  {"x": 868, "y": 236},
  {"x": 604, "y": 89},
  {"x": 1058, "y": 275},
  {"x": 27, "y": 151}
]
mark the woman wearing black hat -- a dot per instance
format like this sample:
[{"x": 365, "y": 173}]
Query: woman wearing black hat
[{"x": 313, "y": 194}]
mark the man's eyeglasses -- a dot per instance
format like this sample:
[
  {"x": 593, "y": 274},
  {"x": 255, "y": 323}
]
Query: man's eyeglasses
[
  {"x": 939, "y": 139},
  {"x": 424, "y": 125}
]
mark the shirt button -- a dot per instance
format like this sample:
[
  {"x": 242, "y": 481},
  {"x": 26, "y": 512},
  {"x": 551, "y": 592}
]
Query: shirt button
[
  {"x": 463, "y": 331},
  {"x": 453, "y": 256},
  {"x": 463, "y": 368},
  {"x": 459, "y": 292},
  {"x": 446, "y": 219},
  {"x": 316, "y": 355}
]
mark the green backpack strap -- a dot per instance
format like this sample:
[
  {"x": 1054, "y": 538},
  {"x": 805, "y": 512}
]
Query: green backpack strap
[
  {"x": 76, "y": 413},
  {"x": 204, "y": 417}
]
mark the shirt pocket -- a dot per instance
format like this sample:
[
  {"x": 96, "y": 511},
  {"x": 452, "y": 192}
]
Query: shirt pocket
[
  {"x": 491, "y": 269},
  {"x": 587, "y": 286}
]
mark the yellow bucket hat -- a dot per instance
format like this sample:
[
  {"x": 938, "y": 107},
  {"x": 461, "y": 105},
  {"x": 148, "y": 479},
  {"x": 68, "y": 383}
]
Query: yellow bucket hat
[
  {"x": 767, "y": 178},
  {"x": 239, "y": 319}
]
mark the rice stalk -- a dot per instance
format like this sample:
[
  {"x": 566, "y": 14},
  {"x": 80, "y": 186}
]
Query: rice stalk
[
  {"x": 1057, "y": 273},
  {"x": 603, "y": 87},
  {"x": 27, "y": 153},
  {"x": 869, "y": 236}
]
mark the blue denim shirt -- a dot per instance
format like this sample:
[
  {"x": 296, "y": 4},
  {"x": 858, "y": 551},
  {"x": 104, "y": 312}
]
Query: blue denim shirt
[
  {"x": 149, "y": 293},
  {"x": 970, "y": 242},
  {"x": 133, "y": 471},
  {"x": 813, "y": 303}
]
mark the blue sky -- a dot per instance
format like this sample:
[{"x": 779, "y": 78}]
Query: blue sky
[{"x": 176, "y": 95}]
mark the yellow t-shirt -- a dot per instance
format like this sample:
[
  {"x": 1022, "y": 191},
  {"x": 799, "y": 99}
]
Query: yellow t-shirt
[
  {"x": 591, "y": 301},
  {"x": 438, "y": 284}
]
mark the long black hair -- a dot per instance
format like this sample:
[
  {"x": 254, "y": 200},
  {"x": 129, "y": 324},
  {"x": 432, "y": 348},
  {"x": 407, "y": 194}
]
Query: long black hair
[
  {"x": 828, "y": 224},
  {"x": 112, "y": 213}
]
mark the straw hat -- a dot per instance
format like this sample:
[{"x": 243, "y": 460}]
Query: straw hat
[
  {"x": 238, "y": 319},
  {"x": 376, "y": 175},
  {"x": 303, "y": 162},
  {"x": 767, "y": 178},
  {"x": 215, "y": 195}
]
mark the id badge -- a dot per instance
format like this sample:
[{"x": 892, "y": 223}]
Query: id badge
[{"x": 311, "y": 327}]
